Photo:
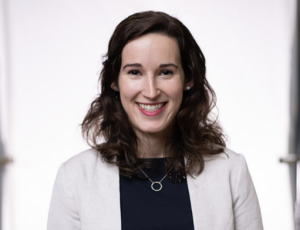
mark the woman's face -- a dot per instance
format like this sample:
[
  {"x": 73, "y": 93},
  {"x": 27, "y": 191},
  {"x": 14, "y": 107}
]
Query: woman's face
[{"x": 151, "y": 83}]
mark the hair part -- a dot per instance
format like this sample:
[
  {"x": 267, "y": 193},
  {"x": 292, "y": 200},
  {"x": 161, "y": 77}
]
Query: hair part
[{"x": 196, "y": 135}]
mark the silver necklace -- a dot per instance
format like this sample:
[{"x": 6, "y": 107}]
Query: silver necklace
[{"x": 156, "y": 182}]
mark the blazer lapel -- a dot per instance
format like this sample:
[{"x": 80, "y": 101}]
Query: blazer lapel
[
  {"x": 114, "y": 178},
  {"x": 108, "y": 194},
  {"x": 192, "y": 182}
]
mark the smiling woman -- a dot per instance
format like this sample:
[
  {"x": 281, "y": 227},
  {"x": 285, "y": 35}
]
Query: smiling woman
[
  {"x": 163, "y": 164},
  {"x": 152, "y": 86}
]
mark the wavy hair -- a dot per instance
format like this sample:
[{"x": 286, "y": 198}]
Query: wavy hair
[{"x": 196, "y": 134}]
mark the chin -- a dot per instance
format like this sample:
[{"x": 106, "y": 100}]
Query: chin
[{"x": 151, "y": 128}]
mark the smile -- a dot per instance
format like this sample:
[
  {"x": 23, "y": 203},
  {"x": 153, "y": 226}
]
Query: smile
[{"x": 151, "y": 109}]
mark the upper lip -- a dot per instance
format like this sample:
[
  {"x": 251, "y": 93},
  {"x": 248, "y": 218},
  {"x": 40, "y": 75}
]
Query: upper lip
[{"x": 152, "y": 103}]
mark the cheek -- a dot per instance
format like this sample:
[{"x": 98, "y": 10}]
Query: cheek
[
  {"x": 175, "y": 92},
  {"x": 127, "y": 92}
]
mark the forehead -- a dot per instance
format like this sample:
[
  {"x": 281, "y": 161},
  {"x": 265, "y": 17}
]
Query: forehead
[{"x": 151, "y": 48}]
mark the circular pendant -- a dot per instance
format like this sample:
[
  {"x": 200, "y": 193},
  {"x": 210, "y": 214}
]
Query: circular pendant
[{"x": 156, "y": 190}]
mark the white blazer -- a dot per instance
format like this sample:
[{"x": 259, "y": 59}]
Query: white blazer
[{"x": 86, "y": 195}]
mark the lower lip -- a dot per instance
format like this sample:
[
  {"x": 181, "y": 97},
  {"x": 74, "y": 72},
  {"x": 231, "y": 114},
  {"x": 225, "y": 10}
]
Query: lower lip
[{"x": 154, "y": 113}]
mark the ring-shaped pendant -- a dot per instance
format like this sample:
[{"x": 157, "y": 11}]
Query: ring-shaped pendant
[{"x": 156, "y": 190}]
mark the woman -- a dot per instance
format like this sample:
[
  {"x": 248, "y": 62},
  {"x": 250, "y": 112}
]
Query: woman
[{"x": 163, "y": 164}]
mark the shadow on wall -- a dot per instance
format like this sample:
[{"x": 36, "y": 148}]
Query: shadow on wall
[
  {"x": 2, "y": 165},
  {"x": 4, "y": 160}
]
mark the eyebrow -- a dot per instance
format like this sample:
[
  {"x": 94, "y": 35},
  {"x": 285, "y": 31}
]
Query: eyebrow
[
  {"x": 132, "y": 65},
  {"x": 140, "y": 65},
  {"x": 167, "y": 65}
]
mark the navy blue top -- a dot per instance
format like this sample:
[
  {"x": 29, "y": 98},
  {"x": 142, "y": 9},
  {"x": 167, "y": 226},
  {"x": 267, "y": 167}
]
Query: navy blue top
[{"x": 142, "y": 208}]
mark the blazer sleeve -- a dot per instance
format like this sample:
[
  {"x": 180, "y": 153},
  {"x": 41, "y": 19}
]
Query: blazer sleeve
[
  {"x": 247, "y": 215},
  {"x": 63, "y": 213}
]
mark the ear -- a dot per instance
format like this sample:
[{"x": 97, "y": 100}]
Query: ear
[
  {"x": 188, "y": 85},
  {"x": 114, "y": 86}
]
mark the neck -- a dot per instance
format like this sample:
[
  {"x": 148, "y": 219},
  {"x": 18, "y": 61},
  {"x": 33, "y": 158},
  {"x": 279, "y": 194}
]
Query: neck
[
  {"x": 152, "y": 145},
  {"x": 152, "y": 148}
]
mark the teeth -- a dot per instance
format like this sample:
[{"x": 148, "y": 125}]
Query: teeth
[{"x": 151, "y": 108}]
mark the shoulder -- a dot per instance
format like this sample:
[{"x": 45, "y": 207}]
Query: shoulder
[
  {"x": 82, "y": 167},
  {"x": 229, "y": 165},
  {"x": 227, "y": 159},
  {"x": 83, "y": 159},
  {"x": 227, "y": 187},
  {"x": 227, "y": 171},
  {"x": 232, "y": 167}
]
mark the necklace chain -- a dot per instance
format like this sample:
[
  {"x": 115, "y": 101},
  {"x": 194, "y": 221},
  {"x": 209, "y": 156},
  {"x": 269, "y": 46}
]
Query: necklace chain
[{"x": 155, "y": 182}]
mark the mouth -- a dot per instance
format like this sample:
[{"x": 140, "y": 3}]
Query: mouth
[{"x": 151, "y": 107}]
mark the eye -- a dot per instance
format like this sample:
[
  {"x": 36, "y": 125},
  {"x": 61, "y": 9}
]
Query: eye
[
  {"x": 134, "y": 72},
  {"x": 166, "y": 72}
]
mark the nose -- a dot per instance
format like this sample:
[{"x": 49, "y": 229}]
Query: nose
[{"x": 151, "y": 90}]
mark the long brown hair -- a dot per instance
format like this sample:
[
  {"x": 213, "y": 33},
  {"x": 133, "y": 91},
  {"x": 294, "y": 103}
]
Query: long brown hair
[{"x": 196, "y": 134}]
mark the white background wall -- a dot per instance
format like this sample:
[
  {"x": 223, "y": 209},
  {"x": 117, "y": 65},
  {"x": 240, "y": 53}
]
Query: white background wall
[{"x": 49, "y": 78}]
